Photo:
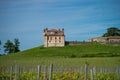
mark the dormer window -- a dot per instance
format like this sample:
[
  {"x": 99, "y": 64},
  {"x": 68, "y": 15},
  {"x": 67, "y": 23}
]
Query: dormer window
[{"x": 51, "y": 32}]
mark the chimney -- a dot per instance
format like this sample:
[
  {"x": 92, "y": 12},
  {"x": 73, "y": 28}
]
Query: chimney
[{"x": 63, "y": 29}]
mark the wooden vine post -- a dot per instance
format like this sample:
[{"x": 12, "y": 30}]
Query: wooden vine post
[
  {"x": 39, "y": 69},
  {"x": 92, "y": 74},
  {"x": 86, "y": 72},
  {"x": 11, "y": 72},
  {"x": 45, "y": 72},
  {"x": 51, "y": 70}
]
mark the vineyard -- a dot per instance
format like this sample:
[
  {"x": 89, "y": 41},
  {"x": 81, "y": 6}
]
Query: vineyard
[
  {"x": 68, "y": 63},
  {"x": 59, "y": 73},
  {"x": 100, "y": 54}
]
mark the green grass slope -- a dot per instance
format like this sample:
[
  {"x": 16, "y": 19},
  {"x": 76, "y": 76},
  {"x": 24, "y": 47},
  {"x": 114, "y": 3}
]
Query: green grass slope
[
  {"x": 92, "y": 50},
  {"x": 94, "y": 54}
]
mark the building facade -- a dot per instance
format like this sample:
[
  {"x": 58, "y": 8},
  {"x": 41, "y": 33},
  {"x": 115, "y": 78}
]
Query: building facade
[
  {"x": 54, "y": 38},
  {"x": 106, "y": 40}
]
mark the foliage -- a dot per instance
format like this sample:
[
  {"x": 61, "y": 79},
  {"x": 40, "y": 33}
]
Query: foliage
[
  {"x": 107, "y": 76},
  {"x": 11, "y": 47},
  {"x": 0, "y": 42},
  {"x": 112, "y": 31},
  {"x": 63, "y": 76},
  {"x": 16, "y": 45},
  {"x": 28, "y": 76}
]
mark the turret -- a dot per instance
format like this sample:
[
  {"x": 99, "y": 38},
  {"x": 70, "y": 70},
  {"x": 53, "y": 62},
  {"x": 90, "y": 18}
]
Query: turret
[{"x": 63, "y": 29}]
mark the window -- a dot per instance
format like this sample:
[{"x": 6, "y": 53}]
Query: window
[
  {"x": 51, "y": 32},
  {"x": 55, "y": 38},
  {"x": 59, "y": 38}
]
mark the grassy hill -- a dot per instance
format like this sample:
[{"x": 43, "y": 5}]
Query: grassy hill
[
  {"x": 100, "y": 54},
  {"x": 92, "y": 50}
]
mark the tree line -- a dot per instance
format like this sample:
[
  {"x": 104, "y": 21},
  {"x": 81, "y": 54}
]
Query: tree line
[
  {"x": 11, "y": 47},
  {"x": 112, "y": 31}
]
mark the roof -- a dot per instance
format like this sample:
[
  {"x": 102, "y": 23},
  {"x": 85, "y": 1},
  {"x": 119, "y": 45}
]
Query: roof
[
  {"x": 114, "y": 37},
  {"x": 99, "y": 38},
  {"x": 54, "y": 32}
]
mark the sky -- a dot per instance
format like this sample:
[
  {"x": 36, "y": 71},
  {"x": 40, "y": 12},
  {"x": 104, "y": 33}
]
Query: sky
[{"x": 81, "y": 19}]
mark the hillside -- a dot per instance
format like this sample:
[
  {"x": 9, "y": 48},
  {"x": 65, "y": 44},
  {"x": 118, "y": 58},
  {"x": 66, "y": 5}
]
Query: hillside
[
  {"x": 91, "y": 50},
  {"x": 94, "y": 54}
]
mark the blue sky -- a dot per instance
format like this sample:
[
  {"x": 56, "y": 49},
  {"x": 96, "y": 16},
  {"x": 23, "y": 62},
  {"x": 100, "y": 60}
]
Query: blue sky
[{"x": 81, "y": 19}]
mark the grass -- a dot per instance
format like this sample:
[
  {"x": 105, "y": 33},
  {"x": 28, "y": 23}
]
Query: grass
[
  {"x": 92, "y": 50},
  {"x": 94, "y": 54},
  {"x": 59, "y": 61}
]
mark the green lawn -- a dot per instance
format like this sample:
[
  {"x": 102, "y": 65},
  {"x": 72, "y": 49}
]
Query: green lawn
[{"x": 95, "y": 55}]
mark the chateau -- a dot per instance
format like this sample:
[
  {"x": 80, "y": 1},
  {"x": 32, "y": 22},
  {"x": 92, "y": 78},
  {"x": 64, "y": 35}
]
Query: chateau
[{"x": 54, "y": 38}]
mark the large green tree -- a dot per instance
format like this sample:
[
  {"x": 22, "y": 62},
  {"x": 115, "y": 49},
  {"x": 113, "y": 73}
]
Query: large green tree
[
  {"x": 11, "y": 47},
  {"x": 112, "y": 31},
  {"x": 16, "y": 45}
]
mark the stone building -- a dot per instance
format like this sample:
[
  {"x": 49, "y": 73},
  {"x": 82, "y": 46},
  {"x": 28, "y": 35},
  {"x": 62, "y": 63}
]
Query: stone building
[
  {"x": 106, "y": 40},
  {"x": 54, "y": 38}
]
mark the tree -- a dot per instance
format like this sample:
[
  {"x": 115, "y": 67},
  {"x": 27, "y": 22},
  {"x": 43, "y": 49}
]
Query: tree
[
  {"x": 0, "y": 42},
  {"x": 112, "y": 31},
  {"x": 9, "y": 47},
  {"x": 16, "y": 45}
]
